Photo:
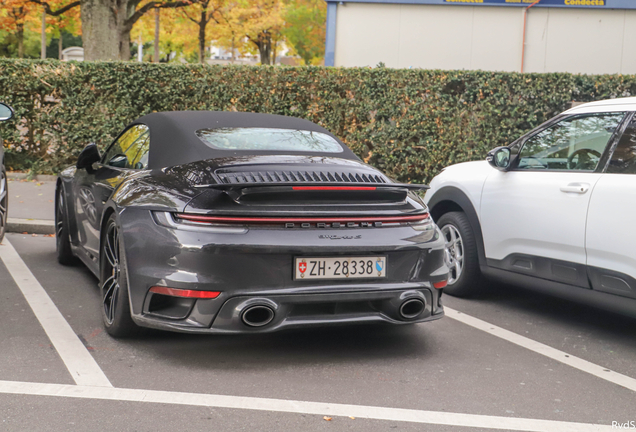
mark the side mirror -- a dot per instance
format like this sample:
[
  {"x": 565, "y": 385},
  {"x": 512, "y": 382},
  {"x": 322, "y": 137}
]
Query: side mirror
[
  {"x": 88, "y": 157},
  {"x": 6, "y": 112},
  {"x": 499, "y": 158},
  {"x": 118, "y": 161}
]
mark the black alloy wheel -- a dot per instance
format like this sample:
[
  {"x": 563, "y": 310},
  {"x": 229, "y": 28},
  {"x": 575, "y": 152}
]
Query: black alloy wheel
[
  {"x": 4, "y": 203},
  {"x": 114, "y": 284},
  {"x": 62, "y": 240},
  {"x": 461, "y": 255}
]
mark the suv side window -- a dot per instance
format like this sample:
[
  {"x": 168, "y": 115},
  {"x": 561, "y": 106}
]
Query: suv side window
[
  {"x": 624, "y": 158},
  {"x": 573, "y": 144},
  {"x": 123, "y": 152}
]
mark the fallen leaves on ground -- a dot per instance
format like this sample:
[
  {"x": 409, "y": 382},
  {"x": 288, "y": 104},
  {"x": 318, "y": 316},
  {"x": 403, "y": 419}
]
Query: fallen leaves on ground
[{"x": 326, "y": 418}]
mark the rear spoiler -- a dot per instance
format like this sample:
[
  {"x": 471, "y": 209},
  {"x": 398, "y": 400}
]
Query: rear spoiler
[{"x": 317, "y": 186}]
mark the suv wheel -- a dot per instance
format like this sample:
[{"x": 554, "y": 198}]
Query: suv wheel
[{"x": 461, "y": 255}]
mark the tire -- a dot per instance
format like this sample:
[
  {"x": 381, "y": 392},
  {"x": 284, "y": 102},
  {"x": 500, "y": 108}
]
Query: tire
[
  {"x": 62, "y": 239},
  {"x": 4, "y": 202},
  {"x": 461, "y": 255},
  {"x": 113, "y": 284}
]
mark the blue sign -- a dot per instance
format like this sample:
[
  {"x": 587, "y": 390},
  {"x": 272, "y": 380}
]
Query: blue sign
[
  {"x": 577, "y": 3},
  {"x": 567, "y": 4}
]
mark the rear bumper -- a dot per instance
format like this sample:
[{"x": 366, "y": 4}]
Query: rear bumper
[
  {"x": 255, "y": 267},
  {"x": 301, "y": 310}
]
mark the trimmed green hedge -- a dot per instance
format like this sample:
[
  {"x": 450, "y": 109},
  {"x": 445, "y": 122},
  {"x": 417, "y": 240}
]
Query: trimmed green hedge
[{"x": 409, "y": 123}]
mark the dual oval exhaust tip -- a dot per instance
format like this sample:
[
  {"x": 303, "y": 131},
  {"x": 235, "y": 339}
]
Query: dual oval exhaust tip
[
  {"x": 261, "y": 315},
  {"x": 257, "y": 316},
  {"x": 411, "y": 308}
]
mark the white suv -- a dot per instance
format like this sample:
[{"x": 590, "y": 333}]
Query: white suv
[{"x": 555, "y": 211}]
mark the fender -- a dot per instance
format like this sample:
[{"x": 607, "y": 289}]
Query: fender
[{"x": 450, "y": 198}]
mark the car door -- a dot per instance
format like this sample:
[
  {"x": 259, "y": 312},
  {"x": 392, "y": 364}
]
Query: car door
[
  {"x": 93, "y": 188},
  {"x": 533, "y": 217},
  {"x": 610, "y": 234}
]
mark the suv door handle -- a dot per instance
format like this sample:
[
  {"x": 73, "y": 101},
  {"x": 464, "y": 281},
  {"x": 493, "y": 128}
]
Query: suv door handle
[{"x": 579, "y": 188}]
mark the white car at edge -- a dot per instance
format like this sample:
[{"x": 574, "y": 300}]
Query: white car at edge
[{"x": 555, "y": 211}]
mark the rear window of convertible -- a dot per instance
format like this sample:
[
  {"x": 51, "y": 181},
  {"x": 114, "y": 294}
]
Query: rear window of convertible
[{"x": 269, "y": 139}]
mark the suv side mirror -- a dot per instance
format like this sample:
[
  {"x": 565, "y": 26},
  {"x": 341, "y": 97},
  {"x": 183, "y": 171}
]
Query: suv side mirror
[
  {"x": 6, "y": 112},
  {"x": 88, "y": 157},
  {"x": 499, "y": 158}
]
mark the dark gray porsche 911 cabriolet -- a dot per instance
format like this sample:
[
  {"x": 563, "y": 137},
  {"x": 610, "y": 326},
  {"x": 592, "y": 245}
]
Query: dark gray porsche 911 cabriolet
[{"x": 218, "y": 222}]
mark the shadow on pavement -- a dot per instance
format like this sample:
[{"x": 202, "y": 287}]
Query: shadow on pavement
[{"x": 275, "y": 350}]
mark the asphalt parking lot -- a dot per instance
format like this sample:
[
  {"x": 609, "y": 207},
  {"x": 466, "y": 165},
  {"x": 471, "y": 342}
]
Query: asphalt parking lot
[{"x": 510, "y": 360}]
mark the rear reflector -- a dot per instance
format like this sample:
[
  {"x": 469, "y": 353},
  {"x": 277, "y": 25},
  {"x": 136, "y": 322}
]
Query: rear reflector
[
  {"x": 440, "y": 284},
  {"x": 184, "y": 293},
  {"x": 255, "y": 220}
]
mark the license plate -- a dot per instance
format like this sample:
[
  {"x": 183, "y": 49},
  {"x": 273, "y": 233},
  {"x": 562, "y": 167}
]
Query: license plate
[{"x": 340, "y": 268}]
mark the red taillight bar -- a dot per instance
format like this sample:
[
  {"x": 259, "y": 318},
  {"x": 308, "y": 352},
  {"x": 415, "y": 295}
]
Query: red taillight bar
[
  {"x": 333, "y": 188},
  {"x": 234, "y": 219},
  {"x": 440, "y": 284},
  {"x": 184, "y": 293}
]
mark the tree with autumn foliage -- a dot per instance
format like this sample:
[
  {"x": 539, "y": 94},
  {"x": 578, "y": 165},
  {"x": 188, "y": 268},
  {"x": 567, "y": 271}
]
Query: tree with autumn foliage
[
  {"x": 202, "y": 13},
  {"x": 175, "y": 36},
  {"x": 18, "y": 16},
  {"x": 14, "y": 16},
  {"x": 187, "y": 26},
  {"x": 305, "y": 28},
  {"x": 257, "y": 22},
  {"x": 61, "y": 15},
  {"x": 106, "y": 24}
]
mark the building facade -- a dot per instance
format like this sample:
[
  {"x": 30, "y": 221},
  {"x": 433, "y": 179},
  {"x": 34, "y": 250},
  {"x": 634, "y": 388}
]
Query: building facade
[{"x": 578, "y": 36}]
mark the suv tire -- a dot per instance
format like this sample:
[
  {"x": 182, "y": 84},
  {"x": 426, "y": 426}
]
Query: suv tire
[{"x": 461, "y": 255}]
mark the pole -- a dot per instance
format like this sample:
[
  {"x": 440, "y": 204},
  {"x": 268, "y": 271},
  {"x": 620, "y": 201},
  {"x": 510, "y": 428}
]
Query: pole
[
  {"x": 523, "y": 44},
  {"x": 43, "y": 40},
  {"x": 140, "y": 49},
  {"x": 156, "y": 57}
]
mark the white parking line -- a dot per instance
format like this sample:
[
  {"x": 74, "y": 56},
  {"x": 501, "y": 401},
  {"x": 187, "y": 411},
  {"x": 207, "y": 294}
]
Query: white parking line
[
  {"x": 298, "y": 407},
  {"x": 93, "y": 384},
  {"x": 78, "y": 360},
  {"x": 545, "y": 350}
]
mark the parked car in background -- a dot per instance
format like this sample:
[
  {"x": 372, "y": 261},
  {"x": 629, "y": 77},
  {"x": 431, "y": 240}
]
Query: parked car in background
[
  {"x": 552, "y": 212},
  {"x": 5, "y": 114},
  {"x": 217, "y": 222}
]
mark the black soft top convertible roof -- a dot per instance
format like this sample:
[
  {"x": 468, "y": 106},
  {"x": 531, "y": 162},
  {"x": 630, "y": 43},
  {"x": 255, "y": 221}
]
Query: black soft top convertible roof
[{"x": 173, "y": 139}]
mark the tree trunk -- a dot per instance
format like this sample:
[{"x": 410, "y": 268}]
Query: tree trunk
[
  {"x": 19, "y": 34},
  {"x": 124, "y": 10},
  {"x": 43, "y": 36},
  {"x": 124, "y": 45},
  {"x": 264, "y": 45},
  {"x": 60, "y": 46},
  {"x": 202, "y": 25},
  {"x": 274, "y": 49},
  {"x": 156, "y": 56},
  {"x": 100, "y": 31}
]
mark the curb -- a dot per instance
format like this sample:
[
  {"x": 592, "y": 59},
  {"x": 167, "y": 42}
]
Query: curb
[
  {"x": 30, "y": 226},
  {"x": 24, "y": 176}
]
